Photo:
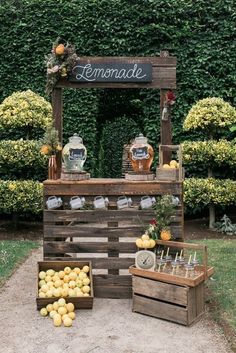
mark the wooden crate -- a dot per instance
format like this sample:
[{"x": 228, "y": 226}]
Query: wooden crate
[
  {"x": 104, "y": 237},
  {"x": 177, "y": 303},
  {"x": 169, "y": 174},
  {"x": 171, "y": 296},
  {"x": 79, "y": 302}
]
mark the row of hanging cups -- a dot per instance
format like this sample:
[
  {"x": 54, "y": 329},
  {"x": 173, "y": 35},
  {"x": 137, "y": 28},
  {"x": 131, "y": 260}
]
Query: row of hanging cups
[{"x": 100, "y": 202}]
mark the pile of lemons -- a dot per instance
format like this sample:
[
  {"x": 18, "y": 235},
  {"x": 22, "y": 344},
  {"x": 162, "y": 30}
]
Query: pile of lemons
[
  {"x": 66, "y": 283},
  {"x": 145, "y": 242},
  {"x": 173, "y": 164},
  {"x": 60, "y": 312}
]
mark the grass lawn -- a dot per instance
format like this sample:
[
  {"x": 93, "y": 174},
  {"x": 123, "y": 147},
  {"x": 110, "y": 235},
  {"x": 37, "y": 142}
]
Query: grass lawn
[
  {"x": 12, "y": 253},
  {"x": 222, "y": 286}
]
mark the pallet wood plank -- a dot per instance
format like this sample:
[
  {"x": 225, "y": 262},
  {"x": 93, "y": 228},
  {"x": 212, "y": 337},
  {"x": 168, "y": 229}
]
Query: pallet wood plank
[
  {"x": 90, "y": 247},
  {"x": 160, "y": 290},
  {"x": 159, "y": 309},
  {"x": 116, "y": 292},
  {"x": 98, "y": 263}
]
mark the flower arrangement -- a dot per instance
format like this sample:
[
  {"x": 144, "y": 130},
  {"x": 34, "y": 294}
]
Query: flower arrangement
[
  {"x": 50, "y": 143},
  {"x": 59, "y": 62},
  {"x": 159, "y": 227},
  {"x": 169, "y": 100}
]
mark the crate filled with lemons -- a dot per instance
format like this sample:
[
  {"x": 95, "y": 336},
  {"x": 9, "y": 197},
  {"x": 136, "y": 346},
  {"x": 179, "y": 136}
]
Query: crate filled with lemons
[{"x": 72, "y": 282}]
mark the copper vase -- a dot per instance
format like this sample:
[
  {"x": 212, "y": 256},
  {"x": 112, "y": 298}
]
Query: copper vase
[{"x": 52, "y": 168}]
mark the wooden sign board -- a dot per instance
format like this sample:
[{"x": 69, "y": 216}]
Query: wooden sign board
[
  {"x": 122, "y": 72},
  {"x": 111, "y": 72}
]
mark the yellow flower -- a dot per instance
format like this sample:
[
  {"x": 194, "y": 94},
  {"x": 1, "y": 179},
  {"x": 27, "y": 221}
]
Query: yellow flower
[
  {"x": 45, "y": 149},
  {"x": 12, "y": 186},
  {"x": 58, "y": 148}
]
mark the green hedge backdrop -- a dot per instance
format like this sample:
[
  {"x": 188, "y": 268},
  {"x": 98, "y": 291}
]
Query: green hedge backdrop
[{"x": 200, "y": 34}]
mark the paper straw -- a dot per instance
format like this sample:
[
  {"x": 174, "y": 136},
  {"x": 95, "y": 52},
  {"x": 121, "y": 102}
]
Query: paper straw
[
  {"x": 176, "y": 256},
  {"x": 162, "y": 253},
  {"x": 167, "y": 253},
  {"x": 194, "y": 258},
  {"x": 189, "y": 260},
  {"x": 181, "y": 254}
]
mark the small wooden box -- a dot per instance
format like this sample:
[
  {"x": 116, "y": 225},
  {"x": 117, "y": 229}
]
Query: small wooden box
[
  {"x": 79, "y": 302},
  {"x": 177, "y": 303},
  {"x": 169, "y": 174}
]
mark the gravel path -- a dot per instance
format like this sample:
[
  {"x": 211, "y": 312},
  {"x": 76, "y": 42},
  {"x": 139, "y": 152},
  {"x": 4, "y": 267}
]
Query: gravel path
[{"x": 110, "y": 327}]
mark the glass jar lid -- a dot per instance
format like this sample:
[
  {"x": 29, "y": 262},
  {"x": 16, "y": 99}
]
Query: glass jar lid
[
  {"x": 75, "y": 139},
  {"x": 140, "y": 139}
]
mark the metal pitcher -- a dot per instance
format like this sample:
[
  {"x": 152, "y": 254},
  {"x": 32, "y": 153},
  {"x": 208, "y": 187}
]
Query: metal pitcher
[
  {"x": 77, "y": 202},
  {"x": 53, "y": 202}
]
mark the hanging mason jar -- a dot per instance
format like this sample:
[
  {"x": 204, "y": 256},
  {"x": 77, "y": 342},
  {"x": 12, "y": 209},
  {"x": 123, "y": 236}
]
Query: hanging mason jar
[
  {"x": 74, "y": 154},
  {"x": 141, "y": 154}
]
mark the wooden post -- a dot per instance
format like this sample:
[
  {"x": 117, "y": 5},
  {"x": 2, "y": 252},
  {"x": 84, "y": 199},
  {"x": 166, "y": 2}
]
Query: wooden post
[
  {"x": 57, "y": 120},
  {"x": 166, "y": 131}
]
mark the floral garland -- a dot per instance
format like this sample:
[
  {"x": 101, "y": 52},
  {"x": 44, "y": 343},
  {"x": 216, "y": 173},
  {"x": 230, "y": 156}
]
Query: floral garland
[{"x": 59, "y": 62}]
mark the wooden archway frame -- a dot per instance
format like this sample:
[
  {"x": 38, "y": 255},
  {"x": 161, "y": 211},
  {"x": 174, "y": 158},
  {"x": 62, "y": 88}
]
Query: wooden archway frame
[{"x": 164, "y": 78}]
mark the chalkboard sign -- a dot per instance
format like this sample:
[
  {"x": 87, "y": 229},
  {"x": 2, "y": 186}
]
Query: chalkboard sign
[
  {"x": 139, "y": 153},
  {"x": 76, "y": 154},
  {"x": 111, "y": 72}
]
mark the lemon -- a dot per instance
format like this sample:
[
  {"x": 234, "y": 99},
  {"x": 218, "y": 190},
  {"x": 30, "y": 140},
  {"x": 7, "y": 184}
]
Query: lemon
[
  {"x": 41, "y": 283},
  {"x": 64, "y": 292},
  {"x": 71, "y": 293},
  {"x": 72, "y": 284},
  {"x": 55, "y": 278},
  {"x": 146, "y": 243},
  {"x": 44, "y": 288},
  {"x": 65, "y": 285},
  {"x": 67, "y": 270},
  {"x": 42, "y": 274},
  {"x": 48, "y": 279},
  {"x": 55, "y": 306},
  {"x": 79, "y": 282},
  {"x": 42, "y": 295},
  {"x": 67, "y": 322},
  {"x": 85, "y": 289},
  {"x": 49, "y": 307},
  {"x": 85, "y": 269},
  {"x": 152, "y": 243},
  {"x": 86, "y": 295},
  {"x": 76, "y": 270},
  {"x": 57, "y": 292},
  {"x": 57, "y": 320},
  {"x": 165, "y": 166},
  {"x": 72, "y": 276},
  {"x": 145, "y": 237},
  {"x": 71, "y": 315},
  {"x": 50, "y": 272},
  {"x": 52, "y": 313},
  {"x": 82, "y": 275},
  {"x": 57, "y": 283},
  {"x": 173, "y": 163},
  {"x": 43, "y": 312},
  {"x": 66, "y": 279},
  {"x": 70, "y": 307},
  {"x": 49, "y": 293},
  {"x": 62, "y": 310},
  {"x": 61, "y": 274},
  {"x": 139, "y": 243},
  {"x": 79, "y": 294},
  {"x": 86, "y": 281},
  {"x": 64, "y": 316},
  {"x": 61, "y": 302}
]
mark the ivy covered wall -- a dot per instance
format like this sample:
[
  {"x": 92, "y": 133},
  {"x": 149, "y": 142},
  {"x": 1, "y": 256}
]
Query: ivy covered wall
[{"x": 199, "y": 33}]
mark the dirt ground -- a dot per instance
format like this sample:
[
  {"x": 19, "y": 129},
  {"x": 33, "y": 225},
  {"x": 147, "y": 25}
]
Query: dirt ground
[{"x": 110, "y": 327}]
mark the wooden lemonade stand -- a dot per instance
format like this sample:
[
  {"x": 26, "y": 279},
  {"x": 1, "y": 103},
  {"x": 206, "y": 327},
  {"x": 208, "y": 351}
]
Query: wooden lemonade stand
[{"x": 105, "y": 237}]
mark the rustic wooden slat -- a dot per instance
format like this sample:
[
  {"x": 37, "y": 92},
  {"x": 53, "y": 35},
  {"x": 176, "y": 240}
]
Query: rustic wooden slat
[
  {"x": 98, "y": 263},
  {"x": 99, "y": 216},
  {"x": 94, "y": 187},
  {"x": 89, "y": 247},
  {"x": 51, "y": 231},
  {"x": 159, "y": 290},
  {"x": 116, "y": 292},
  {"x": 57, "y": 109},
  {"x": 159, "y": 309},
  {"x": 154, "y": 60},
  {"x": 112, "y": 280}
]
